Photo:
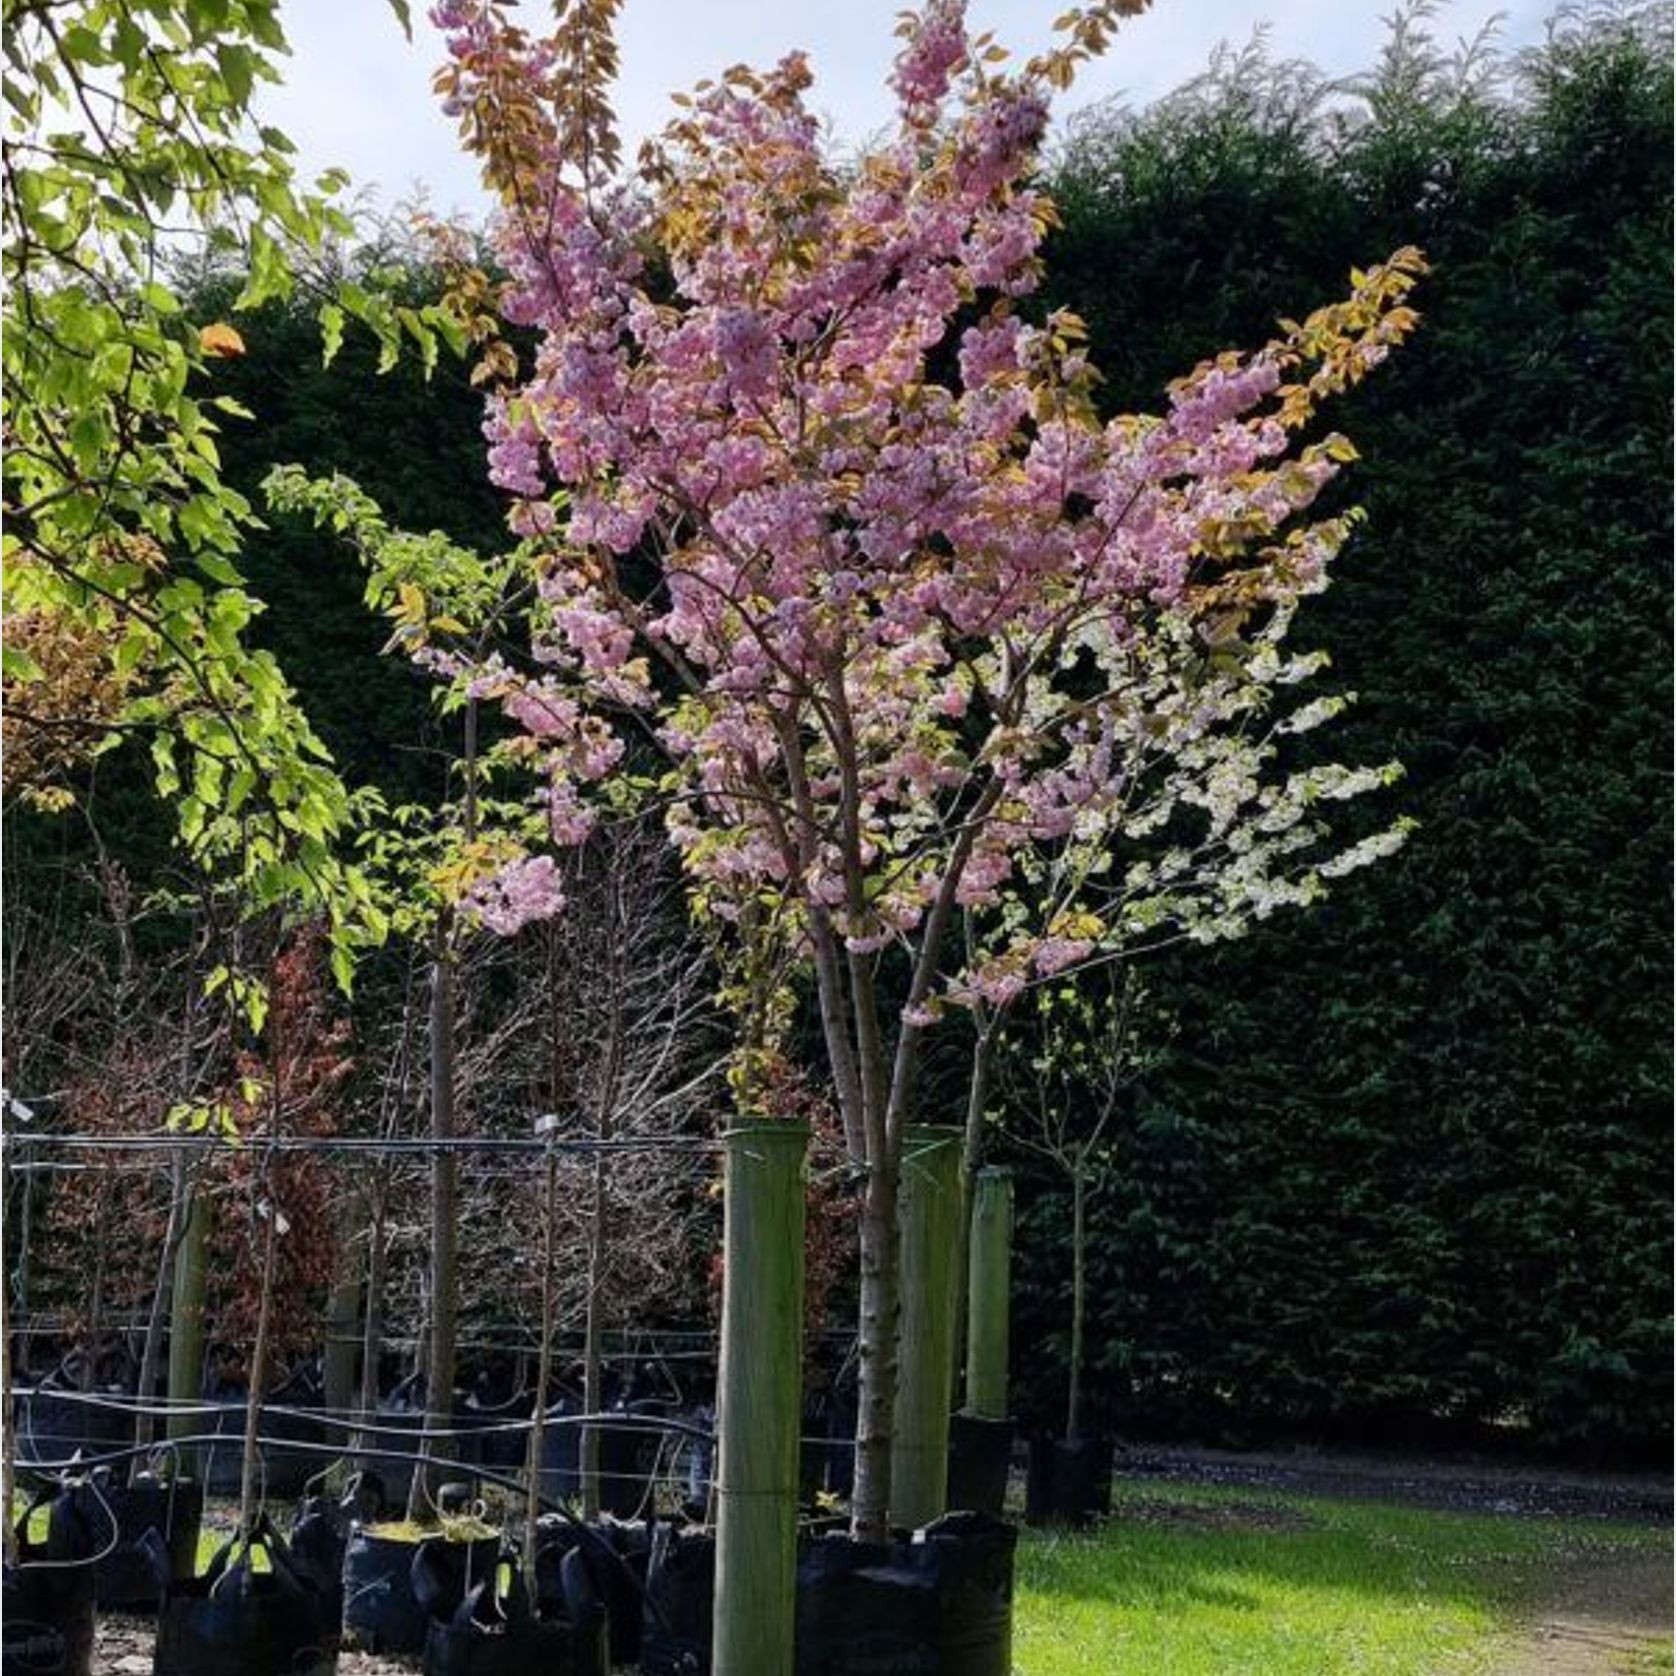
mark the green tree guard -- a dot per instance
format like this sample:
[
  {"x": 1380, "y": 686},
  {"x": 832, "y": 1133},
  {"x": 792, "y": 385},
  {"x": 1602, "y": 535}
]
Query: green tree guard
[
  {"x": 186, "y": 1327},
  {"x": 989, "y": 1295},
  {"x": 760, "y": 1407},
  {"x": 930, "y": 1221}
]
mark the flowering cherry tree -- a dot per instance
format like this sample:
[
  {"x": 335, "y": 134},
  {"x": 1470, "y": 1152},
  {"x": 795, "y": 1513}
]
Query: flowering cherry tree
[{"x": 817, "y": 505}]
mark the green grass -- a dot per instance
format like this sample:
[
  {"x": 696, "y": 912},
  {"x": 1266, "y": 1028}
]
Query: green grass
[
  {"x": 1201, "y": 1582},
  {"x": 1656, "y": 1660}
]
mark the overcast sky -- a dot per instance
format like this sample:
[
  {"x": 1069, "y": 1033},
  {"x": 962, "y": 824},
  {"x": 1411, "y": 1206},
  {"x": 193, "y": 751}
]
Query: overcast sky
[{"x": 358, "y": 94}]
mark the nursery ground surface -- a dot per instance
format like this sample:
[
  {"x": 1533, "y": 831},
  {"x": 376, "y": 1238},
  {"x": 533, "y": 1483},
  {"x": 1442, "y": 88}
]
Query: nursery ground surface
[
  {"x": 1199, "y": 1580},
  {"x": 1247, "y": 1579}
]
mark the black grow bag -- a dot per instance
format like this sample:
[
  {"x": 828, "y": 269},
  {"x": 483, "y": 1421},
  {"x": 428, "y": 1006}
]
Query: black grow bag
[
  {"x": 937, "y": 1604},
  {"x": 613, "y": 1556},
  {"x": 492, "y": 1632},
  {"x": 680, "y": 1581},
  {"x": 1069, "y": 1483},
  {"x": 320, "y": 1531},
  {"x": 381, "y": 1611},
  {"x": 157, "y": 1525},
  {"x": 238, "y": 1621},
  {"x": 47, "y": 1627},
  {"x": 46, "y": 1599},
  {"x": 980, "y": 1457}
]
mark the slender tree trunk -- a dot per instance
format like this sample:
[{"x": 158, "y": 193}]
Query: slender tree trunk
[
  {"x": 544, "y": 1373},
  {"x": 880, "y": 1306},
  {"x": 439, "y": 1372},
  {"x": 151, "y": 1351},
  {"x": 593, "y": 1342},
  {"x": 372, "y": 1324},
  {"x": 249, "y": 1471},
  {"x": 1079, "y": 1288}
]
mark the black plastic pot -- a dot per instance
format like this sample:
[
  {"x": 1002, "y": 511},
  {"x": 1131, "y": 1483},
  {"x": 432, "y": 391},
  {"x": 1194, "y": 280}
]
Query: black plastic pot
[
  {"x": 237, "y": 1619},
  {"x": 613, "y": 1555},
  {"x": 320, "y": 1531},
  {"x": 46, "y": 1599},
  {"x": 937, "y": 1604},
  {"x": 131, "y": 1577},
  {"x": 680, "y": 1580},
  {"x": 492, "y": 1632},
  {"x": 46, "y": 1620},
  {"x": 1069, "y": 1483},
  {"x": 980, "y": 1458},
  {"x": 381, "y": 1611}
]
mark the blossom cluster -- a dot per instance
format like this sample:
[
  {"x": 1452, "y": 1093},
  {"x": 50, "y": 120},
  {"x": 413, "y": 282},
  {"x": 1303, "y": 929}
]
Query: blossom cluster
[{"x": 829, "y": 517}]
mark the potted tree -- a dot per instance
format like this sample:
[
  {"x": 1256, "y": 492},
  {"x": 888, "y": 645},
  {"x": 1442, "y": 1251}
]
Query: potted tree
[
  {"x": 1066, "y": 1091},
  {"x": 847, "y": 539}
]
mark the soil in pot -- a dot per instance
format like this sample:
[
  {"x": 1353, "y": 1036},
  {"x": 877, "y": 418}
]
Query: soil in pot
[
  {"x": 980, "y": 1458},
  {"x": 1069, "y": 1483},
  {"x": 381, "y": 1611},
  {"x": 236, "y": 1618}
]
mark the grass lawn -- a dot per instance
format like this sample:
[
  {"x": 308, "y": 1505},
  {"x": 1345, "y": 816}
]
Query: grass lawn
[{"x": 1205, "y": 1582}]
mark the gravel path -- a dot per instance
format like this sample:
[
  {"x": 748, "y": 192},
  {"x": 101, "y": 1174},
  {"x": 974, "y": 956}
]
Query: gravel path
[
  {"x": 1607, "y": 1616},
  {"x": 1450, "y": 1486}
]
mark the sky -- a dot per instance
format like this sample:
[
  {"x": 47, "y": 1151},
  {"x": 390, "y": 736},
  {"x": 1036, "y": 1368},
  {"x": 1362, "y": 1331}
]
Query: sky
[{"x": 357, "y": 94}]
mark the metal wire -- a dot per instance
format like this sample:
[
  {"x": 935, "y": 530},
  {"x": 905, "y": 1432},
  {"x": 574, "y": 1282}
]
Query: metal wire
[{"x": 357, "y": 1144}]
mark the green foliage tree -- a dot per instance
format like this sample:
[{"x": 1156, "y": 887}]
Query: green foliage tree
[{"x": 132, "y": 151}]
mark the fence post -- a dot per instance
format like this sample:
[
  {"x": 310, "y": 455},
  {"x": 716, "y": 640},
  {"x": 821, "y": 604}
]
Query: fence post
[
  {"x": 759, "y": 1400},
  {"x": 989, "y": 1287},
  {"x": 930, "y": 1223}
]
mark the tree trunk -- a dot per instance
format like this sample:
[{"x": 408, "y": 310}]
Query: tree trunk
[
  {"x": 876, "y": 1342},
  {"x": 151, "y": 1352},
  {"x": 544, "y": 1373},
  {"x": 439, "y": 1371},
  {"x": 593, "y": 1343},
  {"x": 1079, "y": 1288},
  {"x": 372, "y": 1325},
  {"x": 249, "y": 1473}
]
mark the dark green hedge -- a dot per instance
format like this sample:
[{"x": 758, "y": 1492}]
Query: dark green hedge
[{"x": 1408, "y": 1171}]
